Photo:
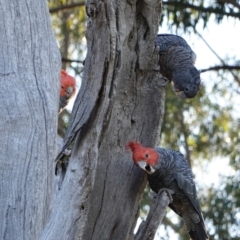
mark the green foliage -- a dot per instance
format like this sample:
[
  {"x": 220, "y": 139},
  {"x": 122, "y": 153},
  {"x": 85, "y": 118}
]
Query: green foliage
[
  {"x": 201, "y": 123},
  {"x": 207, "y": 128},
  {"x": 222, "y": 208},
  {"x": 69, "y": 26}
]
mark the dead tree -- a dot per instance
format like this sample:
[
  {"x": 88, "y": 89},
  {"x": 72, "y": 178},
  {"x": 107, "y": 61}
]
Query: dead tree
[
  {"x": 121, "y": 99},
  {"x": 29, "y": 75}
]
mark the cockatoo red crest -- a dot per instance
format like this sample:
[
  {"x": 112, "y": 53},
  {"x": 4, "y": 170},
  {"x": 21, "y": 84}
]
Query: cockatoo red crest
[
  {"x": 68, "y": 85},
  {"x": 140, "y": 153}
]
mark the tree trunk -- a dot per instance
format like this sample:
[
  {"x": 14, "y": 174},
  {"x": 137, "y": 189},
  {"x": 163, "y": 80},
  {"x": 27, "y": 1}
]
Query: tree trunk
[
  {"x": 29, "y": 76},
  {"x": 120, "y": 99}
]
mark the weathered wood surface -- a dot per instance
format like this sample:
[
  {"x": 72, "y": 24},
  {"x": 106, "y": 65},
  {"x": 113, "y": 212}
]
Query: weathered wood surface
[
  {"x": 29, "y": 76},
  {"x": 120, "y": 100},
  {"x": 148, "y": 228}
]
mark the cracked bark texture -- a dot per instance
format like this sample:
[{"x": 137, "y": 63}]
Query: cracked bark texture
[
  {"x": 148, "y": 228},
  {"x": 121, "y": 99},
  {"x": 29, "y": 76}
]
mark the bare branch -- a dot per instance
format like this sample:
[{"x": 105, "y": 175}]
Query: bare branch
[
  {"x": 71, "y": 60},
  {"x": 148, "y": 228},
  {"x": 224, "y": 67},
  {"x": 201, "y": 8},
  {"x": 220, "y": 67},
  {"x": 234, "y": 3},
  {"x": 235, "y": 76},
  {"x": 214, "y": 52},
  {"x": 64, "y": 7}
]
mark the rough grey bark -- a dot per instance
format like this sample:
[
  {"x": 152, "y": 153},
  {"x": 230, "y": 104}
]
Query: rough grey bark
[
  {"x": 148, "y": 228},
  {"x": 29, "y": 76},
  {"x": 120, "y": 99}
]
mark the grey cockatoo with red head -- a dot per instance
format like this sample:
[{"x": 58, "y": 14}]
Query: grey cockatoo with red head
[
  {"x": 168, "y": 169},
  {"x": 67, "y": 89},
  {"x": 177, "y": 60}
]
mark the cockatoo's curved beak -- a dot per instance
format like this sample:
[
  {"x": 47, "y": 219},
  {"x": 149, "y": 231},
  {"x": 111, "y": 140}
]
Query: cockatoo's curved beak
[{"x": 146, "y": 167}]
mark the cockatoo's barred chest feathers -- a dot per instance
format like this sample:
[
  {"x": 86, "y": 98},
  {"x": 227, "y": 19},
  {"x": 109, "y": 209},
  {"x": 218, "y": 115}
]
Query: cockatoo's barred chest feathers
[
  {"x": 176, "y": 60},
  {"x": 167, "y": 168}
]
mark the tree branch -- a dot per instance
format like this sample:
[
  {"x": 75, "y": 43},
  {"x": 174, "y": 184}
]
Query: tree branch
[
  {"x": 214, "y": 52},
  {"x": 234, "y": 3},
  {"x": 148, "y": 228},
  {"x": 235, "y": 76},
  {"x": 64, "y": 7},
  {"x": 71, "y": 60},
  {"x": 201, "y": 9},
  {"x": 224, "y": 67},
  {"x": 220, "y": 67}
]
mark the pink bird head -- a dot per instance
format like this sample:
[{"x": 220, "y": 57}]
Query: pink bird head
[
  {"x": 68, "y": 85},
  {"x": 141, "y": 153}
]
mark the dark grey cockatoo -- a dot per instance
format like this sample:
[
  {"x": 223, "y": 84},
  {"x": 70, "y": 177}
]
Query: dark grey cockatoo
[
  {"x": 167, "y": 168},
  {"x": 177, "y": 64}
]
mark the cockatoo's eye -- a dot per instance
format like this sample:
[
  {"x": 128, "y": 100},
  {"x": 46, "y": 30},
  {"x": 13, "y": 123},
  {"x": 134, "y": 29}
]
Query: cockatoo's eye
[{"x": 146, "y": 155}]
